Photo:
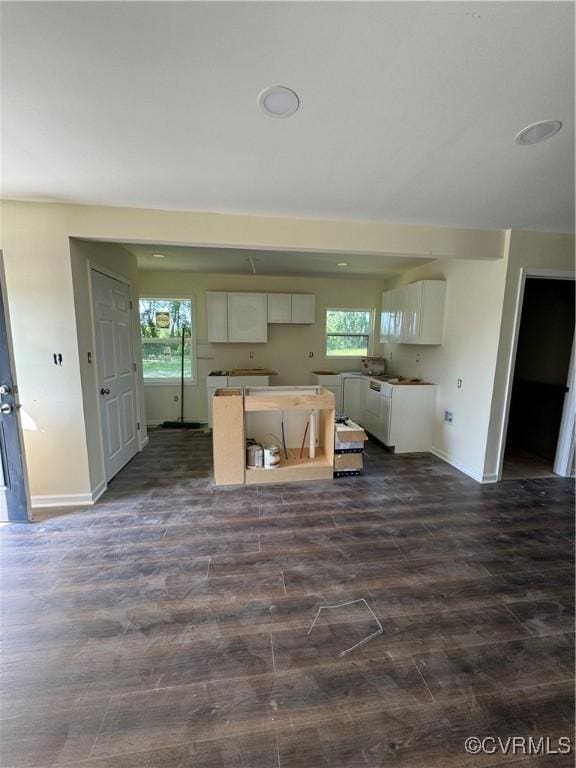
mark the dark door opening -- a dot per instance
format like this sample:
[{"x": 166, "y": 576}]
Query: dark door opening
[{"x": 540, "y": 376}]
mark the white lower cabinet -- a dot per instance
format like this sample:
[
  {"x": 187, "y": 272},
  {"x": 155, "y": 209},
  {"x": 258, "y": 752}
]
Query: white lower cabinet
[
  {"x": 337, "y": 392},
  {"x": 351, "y": 390},
  {"x": 401, "y": 416},
  {"x": 331, "y": 381},
  {"x": 412, "y": 417}
]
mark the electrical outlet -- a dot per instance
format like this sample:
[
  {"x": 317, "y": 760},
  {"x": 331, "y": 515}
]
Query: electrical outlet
[
  {"x": 418, "y": 358},
  {"x": 459, "y": 383},
  {"x": 175, "y": 398},
  {"x": 448, "y": 416},
  {"x": 310, "y": 354},
  {"x": 251, "y": 355}
]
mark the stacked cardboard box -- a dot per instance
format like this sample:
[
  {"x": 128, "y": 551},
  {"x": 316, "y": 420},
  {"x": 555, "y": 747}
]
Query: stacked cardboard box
[{"x": 349, "y": 441}]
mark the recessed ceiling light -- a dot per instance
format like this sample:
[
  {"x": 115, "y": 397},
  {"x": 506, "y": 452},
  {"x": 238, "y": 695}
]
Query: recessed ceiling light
[
  {"x": 540, "y": 131},
  {"x": 342, "y": 264},
  {"x": 158, "y": 255},
  {"x": 278, "y": 101}
]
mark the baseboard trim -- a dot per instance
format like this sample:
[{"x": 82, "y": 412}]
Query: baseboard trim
[
  {"x": 457, "y": 465},
  {"x": 69, "y": 499}
]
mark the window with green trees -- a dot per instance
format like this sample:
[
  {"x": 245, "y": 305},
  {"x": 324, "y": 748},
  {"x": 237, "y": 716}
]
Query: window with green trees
[
  {"x": 162, "y": 324},
  {"x": 348, "y": 332}
]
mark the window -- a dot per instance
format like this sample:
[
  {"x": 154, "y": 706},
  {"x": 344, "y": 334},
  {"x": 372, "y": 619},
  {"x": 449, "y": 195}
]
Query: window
[
  {"x": 348, "y": 332},
  {"x": 162, "y": 322}
]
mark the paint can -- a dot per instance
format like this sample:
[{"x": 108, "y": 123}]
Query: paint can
[
  {"x": 271, "y": 456},
  {"x": 254, "y": 456}
]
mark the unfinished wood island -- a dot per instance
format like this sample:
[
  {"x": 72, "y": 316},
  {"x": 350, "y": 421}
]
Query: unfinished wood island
[{"x": 300, "y": 420}]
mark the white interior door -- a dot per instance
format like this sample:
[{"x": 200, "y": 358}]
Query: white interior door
[
  {"x": 564, "y": 459},
  {"x": 116, "y": 370}
]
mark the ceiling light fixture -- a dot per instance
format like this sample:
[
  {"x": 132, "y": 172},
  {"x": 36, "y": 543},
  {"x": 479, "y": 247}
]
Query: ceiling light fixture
[
  {"x": 342, "y": 264},
  {"x": 158, "y": 255},
  {"x": 252, "y": 261},
  {"x": 278, "y": 101},
  {"x": 540, "y": 131}
]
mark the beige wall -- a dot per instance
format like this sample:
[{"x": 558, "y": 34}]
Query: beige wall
[
  {"x": 474, "y": 295},
  {"x": 35, "y": 238},
  {"x": 39, "y": 287},
  {"x": 288, "y": 346},
  {"x": 535, "y": 250}
]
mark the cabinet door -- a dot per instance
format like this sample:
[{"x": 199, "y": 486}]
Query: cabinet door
[
  {"x": 303, "y": 308},
  {"x": 385, "y": 318},
  {"x": 362, "y": 405},
  {"x": 385, "y": 412},
  {"x": 351, "y": 398},
  {"x": 217, "y": 315},
  {"x": 279, "y": 308},
  {"x": 396, "y": 314},
  {"x": 247, "y": 317},
  {"x": 432, "y": 311},
  {"x": 337, "y": 392},
  {"x": 412, "y": 313}
]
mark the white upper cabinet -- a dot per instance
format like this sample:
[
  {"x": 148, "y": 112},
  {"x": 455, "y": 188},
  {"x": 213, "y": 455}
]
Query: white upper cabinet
[
  {"x": 244, "y": 317},
  {"x": 279, "y": 308},
  {"x": 247, "y": 317},
  {"x": 303, "y": 308},
  {"x": 411, "y": 313},
  {"x": 291, "y": 308},
  {"x": 414, "y": 313},
  {"x": 432, "y": 311},
  {"x": 217, "y": 315}
]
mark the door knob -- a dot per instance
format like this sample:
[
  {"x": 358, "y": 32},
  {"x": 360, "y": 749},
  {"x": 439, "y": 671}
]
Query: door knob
[
  {"x": 5, "y": 409},
  {"x": 104, "y": 391},
  {"x": 4, "y": 389}
]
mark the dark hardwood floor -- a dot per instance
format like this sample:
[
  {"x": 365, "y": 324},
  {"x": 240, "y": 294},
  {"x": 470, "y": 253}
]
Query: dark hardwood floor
[{"x": 166, "y": 627}]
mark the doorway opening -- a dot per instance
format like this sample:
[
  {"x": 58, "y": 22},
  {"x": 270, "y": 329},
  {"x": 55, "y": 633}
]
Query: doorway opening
[{"x": 540, "y": 380}]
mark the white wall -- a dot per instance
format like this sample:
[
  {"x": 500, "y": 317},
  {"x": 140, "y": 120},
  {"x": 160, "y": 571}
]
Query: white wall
[
  {"x": 474, "y": 295},
  {"x": 288, "y": 347},
  {"x": 535, "y": 250}
]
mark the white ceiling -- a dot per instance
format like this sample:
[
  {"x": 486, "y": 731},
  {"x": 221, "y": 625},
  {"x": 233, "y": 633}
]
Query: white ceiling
[
  {"x": 237, "y": 261},
  {"x": 408, "y": 110}
]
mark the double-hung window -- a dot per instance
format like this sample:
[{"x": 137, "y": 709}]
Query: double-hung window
[
  {"x": 348, "y": 332},
  {"x": 164, "y": 325}
]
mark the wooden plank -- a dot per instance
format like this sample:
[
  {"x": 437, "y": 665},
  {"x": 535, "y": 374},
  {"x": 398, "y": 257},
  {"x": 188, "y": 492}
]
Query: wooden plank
[
  {"x": 293, "y": 469},
  {"x": 325, "y": 400},
  {"x": 252, "y": 372},
  {"x": 327, "y": 419},
  {"x": 228, "y": 443},
  {"x": 289, "y": 474}
]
